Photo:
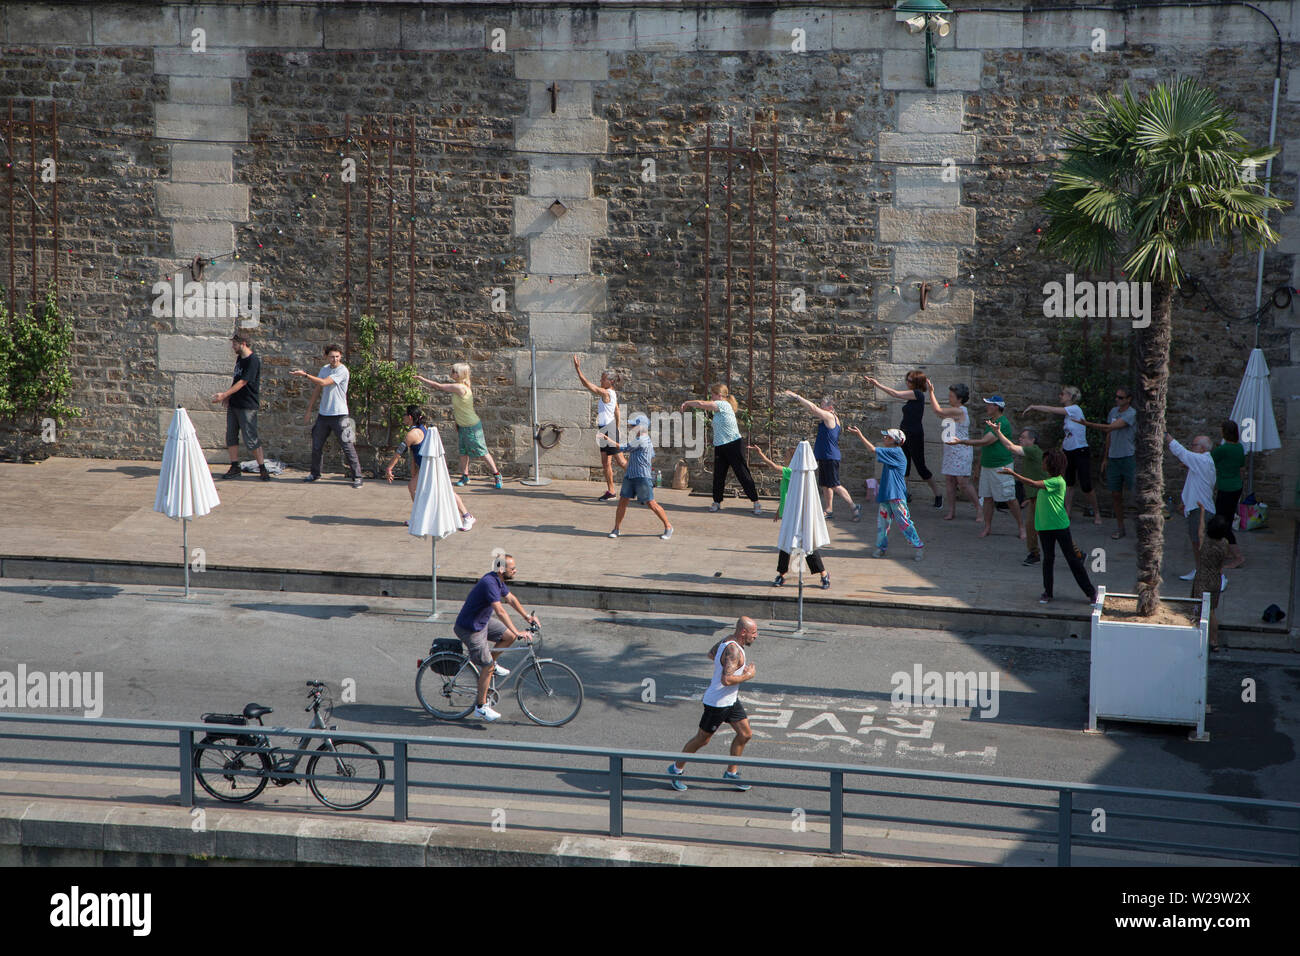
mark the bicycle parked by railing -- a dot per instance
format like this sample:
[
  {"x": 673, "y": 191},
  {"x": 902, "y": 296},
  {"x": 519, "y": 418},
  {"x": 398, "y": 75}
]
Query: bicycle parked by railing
[
  {"x": 236, "y": 767},
  {"x": 549, "y": 693}
]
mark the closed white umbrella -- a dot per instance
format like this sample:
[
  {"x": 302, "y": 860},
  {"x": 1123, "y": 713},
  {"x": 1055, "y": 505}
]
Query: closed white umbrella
[
  {"x": 803, "y": 523},
  {"x": 434, "y": 512},
  {"x": 185, "y": 487},
  {"x": 1253, "y": 411}
]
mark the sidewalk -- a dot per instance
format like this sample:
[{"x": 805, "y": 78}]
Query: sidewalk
[{"x": 93, "y": 519}]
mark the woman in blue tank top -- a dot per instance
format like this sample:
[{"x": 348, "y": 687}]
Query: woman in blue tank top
[{"x": 826, "y": 449}]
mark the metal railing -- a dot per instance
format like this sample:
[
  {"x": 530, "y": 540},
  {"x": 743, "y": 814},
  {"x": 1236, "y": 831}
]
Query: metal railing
[{"x": 1281, "y": 842}]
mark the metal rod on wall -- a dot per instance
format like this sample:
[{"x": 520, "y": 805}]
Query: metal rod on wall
[
  {"x": 347, "y": 246},
  {"x": 54, "y": 213},
  {"x": 392, "y": 207},
  {"x": 9, "y": 138},
  {"x": 32, "y": 195},
  {"x": 752, "y": 289},
  {"x": 771, "y": 382},
  {"x": 708, "y": 213},
  {"x": 731, "y": 146},
  {"x": 410, "y": 254},
  {"x": 369, "y": 213}
]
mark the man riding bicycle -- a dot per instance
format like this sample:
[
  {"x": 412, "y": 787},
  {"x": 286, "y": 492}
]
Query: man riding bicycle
[{"x": 484, "y": 618}]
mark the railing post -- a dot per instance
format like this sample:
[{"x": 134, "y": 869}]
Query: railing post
[
  {"x": 187, "y": 768},
  {"x": 615, "y": 796},
  {"x": 399, "y": 781},
  {"x": 837, "y": 811},
  {"x": 1065, "y": 809}
]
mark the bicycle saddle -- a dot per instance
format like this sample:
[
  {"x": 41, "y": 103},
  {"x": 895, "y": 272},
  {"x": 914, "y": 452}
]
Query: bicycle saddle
[{"x": 254, "y": 711}]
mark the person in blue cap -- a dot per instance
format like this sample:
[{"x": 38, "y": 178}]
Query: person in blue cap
[{"x": 637, "y": 483}]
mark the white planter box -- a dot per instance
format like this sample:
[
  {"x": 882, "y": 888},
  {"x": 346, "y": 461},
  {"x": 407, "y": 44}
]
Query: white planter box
[{"x": 1149, "y": 672}]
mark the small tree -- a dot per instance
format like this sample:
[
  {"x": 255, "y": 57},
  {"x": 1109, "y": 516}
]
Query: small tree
[
  {"x": 382, "y": 388},
  {"x": 1142, "y": 184},
  {"x": 35, "y": 355}
]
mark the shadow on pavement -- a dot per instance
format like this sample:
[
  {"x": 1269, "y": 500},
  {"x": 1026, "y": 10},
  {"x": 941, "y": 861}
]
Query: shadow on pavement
[
  {"x": 68, "y": 591},
  {"x": 342, "y": 519},
  {"x": 131, "y": 471},
  {"x": 320, "y": 612}
]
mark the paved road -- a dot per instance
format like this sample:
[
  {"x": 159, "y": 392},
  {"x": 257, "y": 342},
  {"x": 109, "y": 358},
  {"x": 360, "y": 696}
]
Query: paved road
[{"x": 821, "y": 696}]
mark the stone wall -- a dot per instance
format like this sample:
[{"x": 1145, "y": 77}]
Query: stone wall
[{"x": 864, "y": 213}]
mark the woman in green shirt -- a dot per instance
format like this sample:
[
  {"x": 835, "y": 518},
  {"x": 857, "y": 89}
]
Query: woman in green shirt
[
  {"x": 1053, "y": 524},
  {"x": 1229, "y": 462},
  {"x": 783, "y": 559}
]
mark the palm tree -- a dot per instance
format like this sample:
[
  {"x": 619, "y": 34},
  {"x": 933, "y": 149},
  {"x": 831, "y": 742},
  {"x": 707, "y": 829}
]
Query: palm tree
[{"x": 1141, "y": 184}]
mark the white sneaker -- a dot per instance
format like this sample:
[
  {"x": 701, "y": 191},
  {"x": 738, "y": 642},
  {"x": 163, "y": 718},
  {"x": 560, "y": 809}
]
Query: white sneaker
[
  {"x": 879, "y": 553},
  {"x": 758, "y": 508},
  {"x": 920, "y": 554},
  {"x": 1223, "y": 583},
  {"x": 667, "y": 534},
  {"x": 467, "y": 522},
  {"x": 613, "y": 534},
  {"x": 715, "y": 506},
  {"x": 486, "y": 713},
  {"x": 1188, "y": 576},
  {"x": 502, "y": 671}
]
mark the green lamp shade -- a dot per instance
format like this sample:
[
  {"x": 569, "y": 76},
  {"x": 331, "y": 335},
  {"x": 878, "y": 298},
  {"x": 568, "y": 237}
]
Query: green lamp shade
[{"x": 923, "y": 6}]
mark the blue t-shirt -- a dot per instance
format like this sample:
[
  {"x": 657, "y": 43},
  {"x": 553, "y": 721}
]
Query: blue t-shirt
[
  {"x": 892, "y": 465},
  {"x": 725, "y": 429},
  {"x": 477, "y": 610},
  {"x": 827, "y": 445},
  {"x": 639, "y": 455}
]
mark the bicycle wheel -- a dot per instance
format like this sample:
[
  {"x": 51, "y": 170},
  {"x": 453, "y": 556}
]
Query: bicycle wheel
[
  {"x": 229, "y": 774},
  {"x": 345, "y": 769},
  {"x": 549, "y": 693},
  {"x": 449, "y": 696}
]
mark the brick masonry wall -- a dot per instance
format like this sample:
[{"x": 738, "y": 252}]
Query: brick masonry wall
[{"x": 670, "y": 73}]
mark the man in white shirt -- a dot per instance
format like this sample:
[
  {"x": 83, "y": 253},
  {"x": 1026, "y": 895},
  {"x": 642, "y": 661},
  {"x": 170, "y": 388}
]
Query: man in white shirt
[
  {"x": 1198, "y": 488},
  {"x": 332, "y": 390}
]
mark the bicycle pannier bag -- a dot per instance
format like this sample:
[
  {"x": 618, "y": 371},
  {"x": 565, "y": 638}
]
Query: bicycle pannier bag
[{"x": 446, "y": 644}]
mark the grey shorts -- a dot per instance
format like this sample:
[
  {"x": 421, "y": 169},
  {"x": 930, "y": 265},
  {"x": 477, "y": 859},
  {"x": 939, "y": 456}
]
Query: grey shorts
[
  {"x": 478, "y": 643},
  {"x": 242, "y": 420}
]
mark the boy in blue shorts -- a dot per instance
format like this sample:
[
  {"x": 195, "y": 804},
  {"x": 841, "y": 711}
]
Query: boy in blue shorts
[{"x": 637, "y": 482}]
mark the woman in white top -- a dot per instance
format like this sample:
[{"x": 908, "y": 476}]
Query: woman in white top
[
  {"x": 606, "y": 424},
  {"x": 1078, "y": 458},
  {"x": 956, "y": 458}
]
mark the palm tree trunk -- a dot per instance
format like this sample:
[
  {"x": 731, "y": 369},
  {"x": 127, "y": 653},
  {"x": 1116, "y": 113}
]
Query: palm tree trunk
[{"x": 1153, "y": 389}]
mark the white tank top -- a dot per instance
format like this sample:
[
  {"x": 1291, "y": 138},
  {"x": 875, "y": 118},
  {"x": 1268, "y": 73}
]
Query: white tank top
[
  {"x": 604, "y": 409},
  {"x": 718, "y": 694}
]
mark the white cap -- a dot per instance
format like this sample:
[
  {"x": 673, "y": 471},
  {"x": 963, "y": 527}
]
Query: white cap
[{"x": 894, "y": 433}]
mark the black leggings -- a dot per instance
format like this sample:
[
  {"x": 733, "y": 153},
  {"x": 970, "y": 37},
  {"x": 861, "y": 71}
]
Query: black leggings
[
  {"x": 1225, "y": 503},
  {"x": 732, "y": 455},
  {"x": 914, "y": 450},
  {"x": 1061, "y": 536},
  {"x": 814, "y": 562}
]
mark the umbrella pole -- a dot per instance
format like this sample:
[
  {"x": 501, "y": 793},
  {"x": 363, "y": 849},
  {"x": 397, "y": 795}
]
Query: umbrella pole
[
  {"x": 185, "y": 552},
  {"x": 799, "y": 629},
  {"x": 433, "y": 612}
]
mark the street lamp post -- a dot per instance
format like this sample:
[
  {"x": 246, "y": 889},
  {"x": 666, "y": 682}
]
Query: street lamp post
[{"x": 927, "y": 15}]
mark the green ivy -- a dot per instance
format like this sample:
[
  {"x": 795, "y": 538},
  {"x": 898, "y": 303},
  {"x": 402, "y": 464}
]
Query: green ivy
[
  {"x": 35, "y": 355},
  {"x": 1083, "y": 366},
  {"x": 383, "y": 388}
]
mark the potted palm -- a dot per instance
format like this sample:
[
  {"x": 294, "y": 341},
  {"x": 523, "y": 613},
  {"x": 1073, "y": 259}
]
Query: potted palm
[{"x": 1142, "y": 183}]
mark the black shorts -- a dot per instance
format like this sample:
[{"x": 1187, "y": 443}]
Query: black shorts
[
  {"x": 1078, "y": 465},
  {"x": 610, "y": 431},
  {"x": 828, "y": 472},
  {"x": 715, "y": 717}
]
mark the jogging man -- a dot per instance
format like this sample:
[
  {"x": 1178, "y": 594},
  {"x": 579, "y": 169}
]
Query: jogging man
[
  {"x": 484, "y": 618},
  {"x": 721, "y": 703},
  {"x": 241, "y": 401}
]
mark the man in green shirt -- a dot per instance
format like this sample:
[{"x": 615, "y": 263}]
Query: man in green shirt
[
  {"x": 1031, "y": 468},
  {"x": 1229, "y": 462},
  {"x": 994, "y": 485}
]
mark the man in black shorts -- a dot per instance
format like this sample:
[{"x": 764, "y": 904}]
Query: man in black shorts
[
  {"x": 241, "y": 401},
  {"x": 722, "y": 702}
]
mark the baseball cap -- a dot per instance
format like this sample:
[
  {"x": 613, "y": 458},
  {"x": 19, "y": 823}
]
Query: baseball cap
[
  {"x": 894, "y": 433},
  {"x": 995, "y": 400}
]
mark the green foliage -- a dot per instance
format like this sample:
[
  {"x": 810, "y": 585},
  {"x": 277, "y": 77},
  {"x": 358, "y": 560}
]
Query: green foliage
[
  {"x": 1083, "y": 366},
  {"x": 383, "y": 388},
  {"x": 35, "y": 351}
]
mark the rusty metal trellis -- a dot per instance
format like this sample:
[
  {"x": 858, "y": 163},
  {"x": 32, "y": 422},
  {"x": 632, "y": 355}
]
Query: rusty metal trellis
[
  {"x": 14, "y": 130},
  {"x": 370, "y": 138},
  {"x": 759, "y": 162}
]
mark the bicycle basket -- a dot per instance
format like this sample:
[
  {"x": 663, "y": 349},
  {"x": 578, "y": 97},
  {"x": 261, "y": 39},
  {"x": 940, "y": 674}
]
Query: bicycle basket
[
  {"x": 452, "y": 645},
  {"x": 238, "y": 720}
]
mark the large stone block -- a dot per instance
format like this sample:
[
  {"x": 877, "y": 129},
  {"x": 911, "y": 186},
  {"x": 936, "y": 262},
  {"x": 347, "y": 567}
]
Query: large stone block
[
  {"x": 206, "y": 91},
  {"x": 561, "y": 179},
  {"x": 185, "y": 121},
  {"x": 666, "y": 30},
  {"x": 924, "y": 262},
  {"x": 443, "y": 29},
  {"x": 560, "y": 294},
  {"x": 202, "y": 163},
  {"x": 957, "y": 70},
  {"x": 214, "y": 63},
  {"x": 136, "y": 25},
  {"x": 559, "y": 255},
  {"x": 202, "y": 201},
  {"x": 557, "y": 330},
  {"x": 923, "y": 344},
  {"x": 976, "y": 30},
  {"x": 210, "y": 426},
  {"x": 194, "y": 353},
  {"x": 1293, "y": 85},
  {"x": 1191, "y": 27},
  {"x": 577, "y": 28},
  {"x": 576, "y": 448},
  {"x": 1289, "y": 230},
  {"x": 568, "y": 407},
  {"x": 552, "y": 135},
  {"x": 870, "y": 30},
  {"x": 927, "y": 148},
  {"x": 191, "y": 238},
  {"x": 763, "y": 29},
  {"x": 585, "y": 218},
  {"x": 256, "y": 25},
  {"x": 930, "y": 112},
  {"x": 362, "y": 28},
  {"x": 1075, "y": 31},
  {"x": 587, "y": 65},
  {"x": 38, "y": 23},
  {"x": 954, "y": 227},
  {"x": 958, "y": 310},
  {"x": 554, "y": 369},
  {"x": 1285, "y": 383},
  {"x": 924, "y": 186},
  {"x": 572, "y": 98},
  {"x": 195, "y": 389}
]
